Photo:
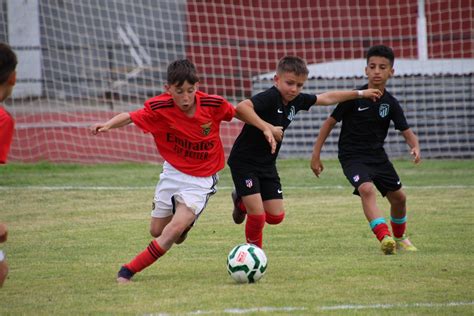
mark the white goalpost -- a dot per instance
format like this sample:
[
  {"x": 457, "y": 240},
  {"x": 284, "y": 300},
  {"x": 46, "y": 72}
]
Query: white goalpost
[{"x": 81, "y": 62}]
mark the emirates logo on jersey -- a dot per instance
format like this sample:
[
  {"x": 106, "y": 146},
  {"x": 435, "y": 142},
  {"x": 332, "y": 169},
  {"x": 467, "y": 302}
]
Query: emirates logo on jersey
[{"x": 206, "y": 128}]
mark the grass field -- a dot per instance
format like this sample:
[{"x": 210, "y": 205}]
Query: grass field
[{"x": 72, "y": 226}]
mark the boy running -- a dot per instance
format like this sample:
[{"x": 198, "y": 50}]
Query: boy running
[
  {"x": 185, "y": 125},
  {"x": 363, "y": 159},
  {"x": 258, "y": 192}
]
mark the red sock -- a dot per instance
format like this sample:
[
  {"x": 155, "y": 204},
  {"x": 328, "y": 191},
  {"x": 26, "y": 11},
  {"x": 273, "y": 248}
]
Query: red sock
[
  {"x": 254, "y": 229},
  {"x": 381, "y": 230},
  {"x": 398, "y": 229},
  {"x": 274, "y": 219},
  {"x": 241, "y": 206},
  {"x": 146, "y": 258}
]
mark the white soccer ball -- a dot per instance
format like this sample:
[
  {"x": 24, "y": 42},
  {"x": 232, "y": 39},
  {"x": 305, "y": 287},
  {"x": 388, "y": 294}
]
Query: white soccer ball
[{"x": 246, "y": 263}]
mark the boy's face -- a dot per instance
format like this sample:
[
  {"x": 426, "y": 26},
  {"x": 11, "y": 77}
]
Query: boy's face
[
  {"x": 8, "y": 86},
  {"x": 184, "y": 96},
  {"x": 378, "y": 70},
  {"x": 289, "y": 85}
]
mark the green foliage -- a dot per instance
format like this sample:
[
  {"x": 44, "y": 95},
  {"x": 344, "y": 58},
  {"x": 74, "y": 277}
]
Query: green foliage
[{"x": 72, "y": 226}]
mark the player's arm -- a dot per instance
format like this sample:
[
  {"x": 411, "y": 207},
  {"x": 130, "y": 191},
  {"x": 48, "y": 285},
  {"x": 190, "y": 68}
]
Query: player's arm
[
  {"x": 333, "y": 97},
  {"x": 316, "y": 164},
  {"x": 412, "y": 141},
  {"x": 246, "y": 113},
  {"x": 117, "y": 121}
]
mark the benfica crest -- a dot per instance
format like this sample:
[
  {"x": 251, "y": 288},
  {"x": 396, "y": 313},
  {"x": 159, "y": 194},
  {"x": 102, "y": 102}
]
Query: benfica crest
[{"x": 206, "y": 128}]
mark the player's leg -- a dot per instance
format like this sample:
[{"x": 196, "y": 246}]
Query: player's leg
[
  {"x": 272, "y": 195},
  {"x": 171, "y": 228},
  {"x": 3, "y": 268},
  {"x": 255, "y": 219},
  {"x": 239, "y": 211},
  {"x": 398, "y": 219},
  {"x": 158, "y": 224},
  {"x": 180, "y": 221},
  {"x": 244, "y": 185},
  {"x": 359, "y": 175},
  {"x": 389, "y": 184},
  {"x": 3, "y": 262}
]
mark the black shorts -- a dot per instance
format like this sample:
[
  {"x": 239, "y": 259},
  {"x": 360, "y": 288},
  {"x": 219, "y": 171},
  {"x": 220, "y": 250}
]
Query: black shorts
[
  {"x": 383, "y": 175},
  {"x": 265, "y": 181}
]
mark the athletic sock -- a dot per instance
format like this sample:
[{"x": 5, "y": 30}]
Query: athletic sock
[
  {"x": 254, "y": 229},
  {"x": 399, "y": 226},
  {"x": 274, "y": 219},
  {"x": 380, "y": 228},
  {"x": 241, "y": 206},
  {"x": 146, "y": 258}
]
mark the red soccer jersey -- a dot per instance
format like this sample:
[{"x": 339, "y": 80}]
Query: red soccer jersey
[
  {"x": 7, "y": 126},
  {"x": 190, "y": 144}
]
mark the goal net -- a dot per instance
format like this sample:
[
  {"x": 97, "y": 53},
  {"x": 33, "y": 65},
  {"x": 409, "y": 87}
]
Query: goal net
[{"x": 81, "y": 62}]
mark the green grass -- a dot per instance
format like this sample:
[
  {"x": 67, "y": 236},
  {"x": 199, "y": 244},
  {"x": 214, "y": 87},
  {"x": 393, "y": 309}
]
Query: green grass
[{"x": 72, "y": 226}]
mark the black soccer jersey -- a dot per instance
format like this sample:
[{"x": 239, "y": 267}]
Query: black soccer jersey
[
  {"x": 365, "y": 126},
  {"x": 251, "y": 148}
]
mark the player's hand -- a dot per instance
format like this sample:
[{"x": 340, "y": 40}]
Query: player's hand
[
  {"x": 372, "y": 94},
  {"x": 270, "y": 139},
  {"x": 277, "y": 132},
  {"x": 98, "y": 128},
  {"x": 415, "y": 152},
  {"x": 317, "y": 166}
]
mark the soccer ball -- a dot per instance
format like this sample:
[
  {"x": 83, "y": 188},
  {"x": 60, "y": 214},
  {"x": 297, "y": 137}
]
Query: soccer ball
[{"x": 246, "y": 263}]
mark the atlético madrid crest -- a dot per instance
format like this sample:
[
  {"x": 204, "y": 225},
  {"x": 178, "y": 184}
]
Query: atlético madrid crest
[
  {"x": 206, "y": 128},
  {"x": 249, "y": 183},
  {"x": 383, "y": 109}
]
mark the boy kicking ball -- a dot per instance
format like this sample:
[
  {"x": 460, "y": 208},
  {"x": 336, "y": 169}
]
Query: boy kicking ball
[{"x": 185, "y": 125}]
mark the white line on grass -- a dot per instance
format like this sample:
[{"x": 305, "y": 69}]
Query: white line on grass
[
  {"x": 269, "y": 309},
  {"x": 389, "y": 306},
  {"x": 123, "y": 188}
]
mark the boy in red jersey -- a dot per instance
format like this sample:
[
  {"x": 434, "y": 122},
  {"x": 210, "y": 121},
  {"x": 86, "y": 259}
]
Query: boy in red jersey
[
  {"x": 258, "y": 193},
  {"x": 363, "y": 159},
  {"x": 8, "y": 62},
  {"x": 185, "y": 124}
]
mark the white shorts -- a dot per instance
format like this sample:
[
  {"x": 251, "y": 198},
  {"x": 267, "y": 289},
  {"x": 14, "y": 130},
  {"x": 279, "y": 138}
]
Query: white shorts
[{"x": 175, "y": 186}]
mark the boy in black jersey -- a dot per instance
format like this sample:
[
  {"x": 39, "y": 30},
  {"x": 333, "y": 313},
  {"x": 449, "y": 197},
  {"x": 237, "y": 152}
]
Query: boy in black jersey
[
  {"x": 363, "y": 159},
  {"x": 253, "y": 165}
]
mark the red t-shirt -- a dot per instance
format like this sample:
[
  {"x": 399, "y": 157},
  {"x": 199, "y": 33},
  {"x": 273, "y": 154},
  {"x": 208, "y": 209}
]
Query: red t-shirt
[
  {"x": 7, "y": 126},
  {"x": 190, "y": 144}
]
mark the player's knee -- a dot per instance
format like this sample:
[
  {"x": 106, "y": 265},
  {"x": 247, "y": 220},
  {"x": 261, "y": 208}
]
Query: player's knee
[
  {"x": 154, "y": 233},
  {"x": 399, "y": 198},
  {"x": 366, "y": 189},
  {"x": 274, "y": 219}
]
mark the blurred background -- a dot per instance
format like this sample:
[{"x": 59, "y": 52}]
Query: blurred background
[{"x": 81, "y": 62}]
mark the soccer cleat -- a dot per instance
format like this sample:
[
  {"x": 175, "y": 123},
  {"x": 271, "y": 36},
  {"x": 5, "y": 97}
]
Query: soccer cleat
[
  {"x": 404, "y": 243},
  {"x": 388, "y": 245},
  {"x": 124, "y": 275},
  {"x": 237, "y": 214}
]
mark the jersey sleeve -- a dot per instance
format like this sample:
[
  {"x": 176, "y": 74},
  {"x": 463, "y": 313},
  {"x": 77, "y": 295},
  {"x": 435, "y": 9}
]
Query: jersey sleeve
[
  {"x": 308, "y": 101},
  {"x": 226, "y": 111},
  {"x": 264, "y": 100},
  {"x": 399, "y": 118},
  {"x": 340, "y": 110},
  {"x": 145, "y": 118}
]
